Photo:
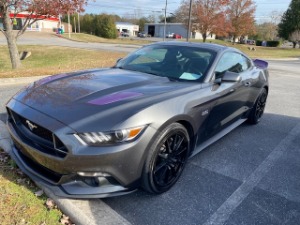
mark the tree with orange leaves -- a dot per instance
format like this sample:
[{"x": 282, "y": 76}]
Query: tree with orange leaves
[
  {"x": 241, "y": 16},
  {"x": 210, "y": 18},
  {"x": 36, "y": 10}
]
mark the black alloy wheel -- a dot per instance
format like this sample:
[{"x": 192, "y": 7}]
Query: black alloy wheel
[
  {"x": 258, "y": 108},
  {"x": 168, "y": 158}
]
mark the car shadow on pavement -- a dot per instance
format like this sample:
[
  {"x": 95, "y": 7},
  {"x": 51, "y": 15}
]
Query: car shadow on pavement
[
  {"x": 213, "y": 175},
  {"x": 3, "y": 117}
]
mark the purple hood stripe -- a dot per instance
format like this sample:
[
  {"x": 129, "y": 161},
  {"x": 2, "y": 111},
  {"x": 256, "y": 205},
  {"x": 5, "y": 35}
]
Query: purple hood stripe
[{"x": 115, "y": 97}]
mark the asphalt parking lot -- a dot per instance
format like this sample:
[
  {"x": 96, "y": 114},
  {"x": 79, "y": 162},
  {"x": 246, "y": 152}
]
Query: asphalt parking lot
[{"x": 251, "y": 176}]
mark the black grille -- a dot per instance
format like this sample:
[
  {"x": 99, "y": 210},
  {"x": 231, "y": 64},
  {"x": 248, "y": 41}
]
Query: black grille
[
  {"x": 39, "y": 137},
  {"x": 45, "y": 172},
  {"x": 39, "y": 131}
]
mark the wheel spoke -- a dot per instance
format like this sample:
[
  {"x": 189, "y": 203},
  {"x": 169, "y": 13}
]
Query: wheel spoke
[
  {"x": 160, "y": 166},
  {"x": 160, "y": 177},
  {"x": 169, "y": 144},
  {"x": 179, "y": 142},
  {"x": 181, "y": 151},
  {"x": 171, "y": 174}
]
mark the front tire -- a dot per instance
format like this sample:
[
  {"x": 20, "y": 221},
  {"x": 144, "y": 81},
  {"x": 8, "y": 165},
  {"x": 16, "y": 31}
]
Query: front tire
[
  {"x": 166, "y": 160},
  {"x": 258, "y": 108}
]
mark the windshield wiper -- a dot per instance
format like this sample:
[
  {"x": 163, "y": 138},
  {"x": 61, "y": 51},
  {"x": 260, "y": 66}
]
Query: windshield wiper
[{"x": 173, "y": 79}]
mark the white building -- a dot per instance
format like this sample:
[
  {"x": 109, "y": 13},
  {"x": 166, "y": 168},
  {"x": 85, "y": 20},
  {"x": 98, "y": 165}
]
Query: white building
[
  {"x": 129, "y": 28},
  {"x": 42, "y": 24},
  {"x": 157, "y": 30}
]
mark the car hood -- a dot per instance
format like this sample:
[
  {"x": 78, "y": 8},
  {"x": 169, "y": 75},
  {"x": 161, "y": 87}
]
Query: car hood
[{"x": 111, "y": 94}]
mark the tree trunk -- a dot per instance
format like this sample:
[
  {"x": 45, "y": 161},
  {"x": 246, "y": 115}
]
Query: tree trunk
[
  {"x": 204, "y": 37},
  {"x": 11, "y": 41},
  {"x": 234, "y": 37}
]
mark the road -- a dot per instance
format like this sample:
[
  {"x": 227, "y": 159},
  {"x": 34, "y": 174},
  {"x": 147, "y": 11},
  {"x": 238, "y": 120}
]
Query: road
[
  {"x": 251, "y": 176},
  {"x": 46, "y": 39}
]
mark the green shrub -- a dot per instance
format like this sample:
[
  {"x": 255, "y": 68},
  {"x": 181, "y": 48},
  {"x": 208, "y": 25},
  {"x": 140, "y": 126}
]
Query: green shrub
[
  {"x": 259, "y": 42},
  {"x": 273, "y": 43}
]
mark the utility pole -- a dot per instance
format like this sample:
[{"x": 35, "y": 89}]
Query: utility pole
[
  {"x": 74, "y": 20},
  {"x": 165, "y": 20},
  {"x": 189, "y": 23},
  {"x": 78, "y": 23},
  {"x": 69, "y": 25}
]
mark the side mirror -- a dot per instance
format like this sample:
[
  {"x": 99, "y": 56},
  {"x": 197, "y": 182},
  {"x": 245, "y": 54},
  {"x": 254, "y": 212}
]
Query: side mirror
[
  {"x": 118, "y": 60},
  {"x": 231, "y": 77}
]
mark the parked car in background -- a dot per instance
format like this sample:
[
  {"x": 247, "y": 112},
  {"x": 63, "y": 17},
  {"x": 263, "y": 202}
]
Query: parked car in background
[
  {"x": 141, "y": 35},
  {"x": 106, "y": 132},
  {"x": 250, "y": 42},
  {"x": 177, "y": 36},
  {"x": 170, "y": 35},
  {"x": 124, "y": 34}
]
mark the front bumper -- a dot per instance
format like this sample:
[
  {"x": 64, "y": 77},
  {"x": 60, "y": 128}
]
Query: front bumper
[
  {"x": 121, "y": 165},
  {"x": 73, "y": 189}
]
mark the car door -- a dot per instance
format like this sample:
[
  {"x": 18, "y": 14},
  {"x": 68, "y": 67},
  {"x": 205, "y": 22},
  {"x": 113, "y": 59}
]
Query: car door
[{"x": 230, "y": 99}]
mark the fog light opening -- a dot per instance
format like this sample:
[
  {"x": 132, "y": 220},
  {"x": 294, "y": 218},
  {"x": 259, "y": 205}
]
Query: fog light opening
[{"x": 93, "y": 174}]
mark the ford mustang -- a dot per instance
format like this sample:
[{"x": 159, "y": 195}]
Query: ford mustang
[{"x": 106, "y": 132}]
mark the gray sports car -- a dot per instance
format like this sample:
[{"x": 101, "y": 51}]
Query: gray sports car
[{"x": 106, "y": 132}]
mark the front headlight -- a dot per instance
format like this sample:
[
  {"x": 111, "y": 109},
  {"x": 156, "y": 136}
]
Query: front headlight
[{"x": 107, "y": 138}]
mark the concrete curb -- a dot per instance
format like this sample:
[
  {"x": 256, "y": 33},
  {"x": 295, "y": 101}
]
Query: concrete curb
[
  {"x": 81, "y": 212},
  {"x": 282, "y": 59},
  {"x": 5, "y": 141},
  {"x": 19, "y": 80}
]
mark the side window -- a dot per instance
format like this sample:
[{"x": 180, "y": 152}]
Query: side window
[
  {"x": 233, "y": 62},
  {"x": 245, "y": 62}
]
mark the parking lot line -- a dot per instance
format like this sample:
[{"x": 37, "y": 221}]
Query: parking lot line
[{"x": 227, "y": 208}]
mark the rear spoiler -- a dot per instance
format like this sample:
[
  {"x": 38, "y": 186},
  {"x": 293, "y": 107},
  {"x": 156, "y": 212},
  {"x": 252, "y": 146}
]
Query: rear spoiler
[{"x": 261, "y": 64}]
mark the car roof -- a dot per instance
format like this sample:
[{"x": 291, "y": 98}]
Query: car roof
[{"x": 210, "y": 46}]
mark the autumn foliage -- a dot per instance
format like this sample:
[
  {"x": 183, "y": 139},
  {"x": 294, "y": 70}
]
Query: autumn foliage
[
  {"x": 241, "y": 15},
  {"x": 221, "y": 17},
  {"x": 209, "y": 17}
]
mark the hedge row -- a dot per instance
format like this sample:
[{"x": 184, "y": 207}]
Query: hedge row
[{"x": 268, "y": 43}]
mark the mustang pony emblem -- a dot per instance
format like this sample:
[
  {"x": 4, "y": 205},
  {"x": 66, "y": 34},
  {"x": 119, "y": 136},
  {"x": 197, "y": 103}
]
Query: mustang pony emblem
[{"x": 31, "y": 125}]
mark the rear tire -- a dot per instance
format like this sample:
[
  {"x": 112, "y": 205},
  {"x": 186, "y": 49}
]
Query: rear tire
[
  {"x": 258, "y": 109},
  {"x": 166, "y": 160}
]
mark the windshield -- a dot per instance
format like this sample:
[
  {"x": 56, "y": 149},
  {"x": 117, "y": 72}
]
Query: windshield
[{"x": 175, "y": 62}]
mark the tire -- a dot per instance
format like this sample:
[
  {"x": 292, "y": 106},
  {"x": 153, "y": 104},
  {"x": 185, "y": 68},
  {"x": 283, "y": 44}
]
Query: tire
[
  {"x": 258, "y": 109},
  {"x": 166, "y": 160}
]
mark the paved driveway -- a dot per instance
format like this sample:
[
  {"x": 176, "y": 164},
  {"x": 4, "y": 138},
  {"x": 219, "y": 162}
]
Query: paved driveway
[
  {"x": 251, "y": 176},
  {"x": 31, "y": 38}
]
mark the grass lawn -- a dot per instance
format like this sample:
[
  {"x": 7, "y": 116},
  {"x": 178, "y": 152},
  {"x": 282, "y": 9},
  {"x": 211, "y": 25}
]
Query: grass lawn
[
  {"x": 18, "y": 203},
  {"x": 268, "y": 53},
  {"x": 49, "y": 60},
  {"x": 260, "y": 52}
]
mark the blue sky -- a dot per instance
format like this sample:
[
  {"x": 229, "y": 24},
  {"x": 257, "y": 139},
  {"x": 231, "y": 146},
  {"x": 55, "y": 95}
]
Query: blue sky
[{"x": 137, "y": 8}]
